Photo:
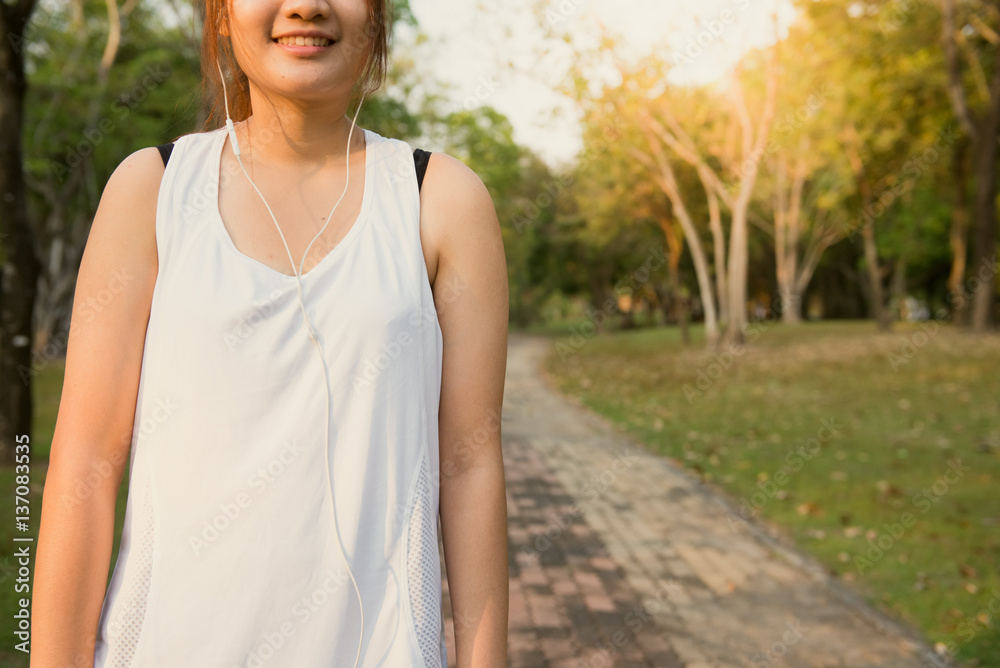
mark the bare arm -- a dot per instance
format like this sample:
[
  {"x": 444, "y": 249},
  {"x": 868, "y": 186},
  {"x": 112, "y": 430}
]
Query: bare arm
[
  {"x": 471, "y": 297},
  {"x": 90, "y": 446}
]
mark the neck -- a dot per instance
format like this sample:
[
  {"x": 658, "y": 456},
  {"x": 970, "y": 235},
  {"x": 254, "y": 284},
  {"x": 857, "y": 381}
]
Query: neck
[{"x": 287, "y": 134}]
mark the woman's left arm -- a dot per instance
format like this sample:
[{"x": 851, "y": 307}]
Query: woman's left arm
[{"x": 472, "y": 301}]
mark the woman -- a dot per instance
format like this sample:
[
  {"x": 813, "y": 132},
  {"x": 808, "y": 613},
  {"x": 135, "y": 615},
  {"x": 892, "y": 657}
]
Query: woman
[{"x": 299, "y": 395}]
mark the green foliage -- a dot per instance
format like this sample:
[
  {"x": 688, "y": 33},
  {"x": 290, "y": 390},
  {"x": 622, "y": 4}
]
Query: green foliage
[
  {"x": 78, "y": 129},
  {"x": 389, "y": 117}
]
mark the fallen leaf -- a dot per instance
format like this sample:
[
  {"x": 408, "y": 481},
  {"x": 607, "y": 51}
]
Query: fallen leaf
[{"x": 808, "y": 508}]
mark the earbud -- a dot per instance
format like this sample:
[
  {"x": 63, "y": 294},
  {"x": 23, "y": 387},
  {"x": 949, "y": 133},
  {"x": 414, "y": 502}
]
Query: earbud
[{"x": 312, "y": 332}]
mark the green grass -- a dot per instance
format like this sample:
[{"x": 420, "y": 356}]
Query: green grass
[
  {"x": 897, "y": 430},
  {"x": 47, "y": 390}
]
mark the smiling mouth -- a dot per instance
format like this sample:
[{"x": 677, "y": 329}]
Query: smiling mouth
[{"x": 298, "y": 40}]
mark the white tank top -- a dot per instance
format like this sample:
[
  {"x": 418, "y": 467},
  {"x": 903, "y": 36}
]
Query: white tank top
[{"x": 228, "y": 554}]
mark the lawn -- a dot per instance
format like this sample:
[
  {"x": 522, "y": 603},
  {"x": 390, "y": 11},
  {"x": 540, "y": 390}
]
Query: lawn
[{"x": 877, "y": 453}]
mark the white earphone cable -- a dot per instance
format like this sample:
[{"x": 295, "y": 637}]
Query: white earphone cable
[{"x": 309, "y": 327}]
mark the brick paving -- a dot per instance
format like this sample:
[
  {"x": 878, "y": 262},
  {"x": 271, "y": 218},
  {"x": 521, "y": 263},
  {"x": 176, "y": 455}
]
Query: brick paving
[{"x": 619, "y": 558}]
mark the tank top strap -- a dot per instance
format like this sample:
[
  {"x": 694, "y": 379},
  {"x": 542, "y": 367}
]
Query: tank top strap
[
  {"x": 420, "y": 160},
  {"x": 396, "y": 205},
  {"x": 188, "y": 195}
]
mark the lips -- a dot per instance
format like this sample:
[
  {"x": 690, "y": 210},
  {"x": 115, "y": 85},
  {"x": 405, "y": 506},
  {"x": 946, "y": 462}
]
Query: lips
[{"x": 299, "y": 40}]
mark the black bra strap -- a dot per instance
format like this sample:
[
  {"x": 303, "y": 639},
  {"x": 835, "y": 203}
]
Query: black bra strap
[
  {"x": 165, "y": 150},
  {"x": 420, "y": 158}
]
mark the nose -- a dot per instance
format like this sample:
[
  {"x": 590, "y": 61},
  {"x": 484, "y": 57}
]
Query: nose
[{"x": 307, "y": 10}]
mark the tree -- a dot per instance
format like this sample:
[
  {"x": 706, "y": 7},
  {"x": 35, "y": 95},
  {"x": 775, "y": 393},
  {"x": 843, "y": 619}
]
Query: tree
[
  {"x": 617, "y": 191},
  {"x": 982, "y": 125},
  {"x": 796, "y": 226},
  {"x": 21, "y": 265},
  {"x": 883, "y": 116},
  {"x": 664, "y": 131}
]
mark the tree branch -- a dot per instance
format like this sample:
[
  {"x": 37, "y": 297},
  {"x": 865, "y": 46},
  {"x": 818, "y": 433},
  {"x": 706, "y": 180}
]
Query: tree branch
[{"x": 956, "y": 91}]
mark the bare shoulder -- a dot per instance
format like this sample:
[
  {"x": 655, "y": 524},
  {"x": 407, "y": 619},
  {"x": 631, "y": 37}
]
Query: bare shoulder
[
  {"x": 127, "y": 210},
  {"x": 122, "y": 236},
  {"x": 457, "y": 212},
  {"x": 137, "y": 177},
  {"x": 452, "y": 184}
]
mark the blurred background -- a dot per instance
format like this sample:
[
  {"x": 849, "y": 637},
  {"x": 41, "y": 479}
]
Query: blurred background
[{"x": 732, "y": 219}]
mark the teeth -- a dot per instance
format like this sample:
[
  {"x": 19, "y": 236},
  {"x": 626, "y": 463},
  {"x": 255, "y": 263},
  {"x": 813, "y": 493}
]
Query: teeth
[{"x": 298, "y": 40}]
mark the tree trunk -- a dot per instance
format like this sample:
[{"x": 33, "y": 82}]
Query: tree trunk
[
  {"x": 899, "y": 288},
  {"x": 879, "y": 311},
  {"x": 700, "y": 263},
  {"x": 675, "y": 246},
  {"x": 959, "y": 232},
  {"x": 754, "y": 143},
  {"x": 599, "y": 295},
  {"x": 984, "y": 243},
  {"x": 787, "y": 214},
  {"x": 738, "y": 252},
  {"x": 719, "y": 249},
  {"x": 665, "y": 301},
  {"x": 665, "y": 178},
  {"x": 18, "y": 282},
  {"x": 627, "y": 319},
  {"x": 875, "y": 291},
  {"x": 982, "y": 128}
]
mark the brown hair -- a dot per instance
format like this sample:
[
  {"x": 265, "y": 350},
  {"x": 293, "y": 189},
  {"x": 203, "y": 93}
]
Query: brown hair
[{"x": 217, "y": 48}]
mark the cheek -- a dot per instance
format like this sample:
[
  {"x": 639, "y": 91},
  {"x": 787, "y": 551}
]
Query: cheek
[
  {"x": 246, "y": 16},
  {"x": 360, "y": 30},
  {"x": 251, "y": 29}
]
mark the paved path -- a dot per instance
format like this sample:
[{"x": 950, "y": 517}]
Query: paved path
[{"x": 619, "y": 558}]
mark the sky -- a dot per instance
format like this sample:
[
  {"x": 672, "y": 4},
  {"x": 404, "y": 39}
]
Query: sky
[{"x": 488, "y": 51}]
